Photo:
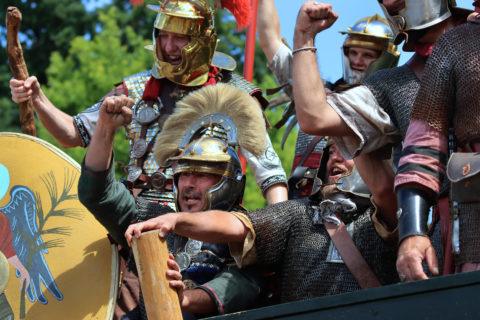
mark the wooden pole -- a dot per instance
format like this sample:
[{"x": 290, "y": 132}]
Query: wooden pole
[
  {"x": 151, "y": 254},
  {"x": 19, "y": 68}
]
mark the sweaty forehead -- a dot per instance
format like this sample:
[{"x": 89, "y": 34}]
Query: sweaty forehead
[{"x": 393, "y": 6}]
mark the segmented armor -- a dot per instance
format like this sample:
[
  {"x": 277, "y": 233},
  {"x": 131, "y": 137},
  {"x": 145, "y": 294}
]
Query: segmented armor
[{"x": 287, "y": 239}]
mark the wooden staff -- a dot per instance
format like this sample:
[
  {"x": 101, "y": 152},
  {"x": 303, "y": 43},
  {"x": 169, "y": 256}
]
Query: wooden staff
[
  {"x": 19, "y": 68},
  {"x": 151, "y": 254}
]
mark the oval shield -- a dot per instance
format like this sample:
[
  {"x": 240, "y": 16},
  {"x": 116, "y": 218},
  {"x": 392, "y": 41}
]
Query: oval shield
[{"x": 61, "y": 263}]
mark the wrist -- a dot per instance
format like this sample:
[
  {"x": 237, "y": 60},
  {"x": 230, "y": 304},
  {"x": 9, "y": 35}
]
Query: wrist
[
  {"x": 184, "y": 301},
  {"x": 414, "y": 207},
  {"x": 301, "y": 40},
  {"x": 106, "y": 129}
]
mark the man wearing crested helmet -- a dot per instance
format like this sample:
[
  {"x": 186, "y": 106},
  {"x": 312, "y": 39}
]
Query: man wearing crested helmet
[
  {"x": 199, "y": 143},
  {"x": 184, "y": 43}
]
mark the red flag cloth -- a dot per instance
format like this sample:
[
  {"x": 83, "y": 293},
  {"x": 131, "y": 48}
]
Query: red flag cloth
[
  {"x": 240, "y": 9},
  {"x": 136, "y": 2}
]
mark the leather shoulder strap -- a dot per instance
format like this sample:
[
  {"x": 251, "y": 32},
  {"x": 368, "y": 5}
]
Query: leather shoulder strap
[{"x": 353, "y": 259}]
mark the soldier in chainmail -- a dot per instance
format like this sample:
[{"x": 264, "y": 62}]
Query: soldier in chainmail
[
  {"x": 292, "y": 236},
  {"x": 199, "y": 142},
  {"x": 368, "y": 47},
  {"x": 445, "y": 100},
  {"x": 376, "y": 113}
]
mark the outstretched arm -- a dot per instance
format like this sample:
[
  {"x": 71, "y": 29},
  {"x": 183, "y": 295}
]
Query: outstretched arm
[
  {"x": 268, "y": 28},
  {"x": 315, "y": 115},
  {"x": 58, "y": 123},
  {"x": 211, "y": 226}
]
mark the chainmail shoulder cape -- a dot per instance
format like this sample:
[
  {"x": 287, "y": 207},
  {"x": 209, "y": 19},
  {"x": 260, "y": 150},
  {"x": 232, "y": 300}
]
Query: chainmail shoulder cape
[
  {"x": 448, "y": 94},
  {"x": 287, "y": 239},
  {"x": 395, "y": 90}
]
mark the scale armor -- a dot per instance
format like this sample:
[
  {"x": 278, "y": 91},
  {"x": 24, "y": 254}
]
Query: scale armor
[{"x": 302, "y": 265}]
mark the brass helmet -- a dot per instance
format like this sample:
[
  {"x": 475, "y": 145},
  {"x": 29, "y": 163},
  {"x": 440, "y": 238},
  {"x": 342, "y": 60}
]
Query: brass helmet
[
  {"x": 202, "y": 134},
  {"x": 194, "y": 18},
  {"x": 415, "y": 15},
  {"x": 371, "y": 33},
  {"x": 209, "y": 154}
]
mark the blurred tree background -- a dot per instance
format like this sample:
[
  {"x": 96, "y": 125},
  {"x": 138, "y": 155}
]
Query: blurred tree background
[{"x": 78, "y": 54}]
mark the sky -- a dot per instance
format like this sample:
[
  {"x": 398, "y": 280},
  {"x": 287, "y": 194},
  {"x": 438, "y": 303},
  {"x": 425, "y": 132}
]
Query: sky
[{"x": 330, "y": 41}]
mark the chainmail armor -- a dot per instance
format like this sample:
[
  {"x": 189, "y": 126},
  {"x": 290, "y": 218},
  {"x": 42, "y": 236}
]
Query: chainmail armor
[
  {"x": 449, "y": 98},
  {"x": 453, "y": 76},
  {"x": 469, "y": 240},
  {"x": 287, "y": 239},
  {"x": 303, "y": 140},
  {"x": 395, "y": 90}
]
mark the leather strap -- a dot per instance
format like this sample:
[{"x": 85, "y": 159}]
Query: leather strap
[
  {"x": 309, "y": 150},
  {"x": 353, "y": 259}
]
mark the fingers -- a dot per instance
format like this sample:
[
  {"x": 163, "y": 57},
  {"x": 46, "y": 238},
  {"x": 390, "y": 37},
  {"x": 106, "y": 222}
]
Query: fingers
[
  {"x": 134, "y": 230},
  {"x": 172, "y": 264},
  {"x": 173, "y": 275},
  {"x": 31, "y": 82},
  {"x": 177, "y": 284},
  {"x": 412, "y": 252},
  {"x": 117, "y": 104},
  {"x": 474, "y": 17},
  {"x": 22, "y": 90},
  {"x": 321, "y": 11},
  {"x": 127, "y": 114},
  {"x": 432, "y": 261}
]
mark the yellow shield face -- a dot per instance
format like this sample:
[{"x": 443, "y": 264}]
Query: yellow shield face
[{"x": 51, "y": 242}]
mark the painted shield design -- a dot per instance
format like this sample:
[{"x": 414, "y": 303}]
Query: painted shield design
[{"x": 61, "y": 264}]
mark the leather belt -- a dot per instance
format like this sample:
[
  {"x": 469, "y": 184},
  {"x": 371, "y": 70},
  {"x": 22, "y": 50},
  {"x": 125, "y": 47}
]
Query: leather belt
[{"x": 353, "y": 259}]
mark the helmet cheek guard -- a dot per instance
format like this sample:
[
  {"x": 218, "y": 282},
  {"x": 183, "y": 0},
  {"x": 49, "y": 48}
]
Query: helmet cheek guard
[{"x": 196, "y": 20}]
